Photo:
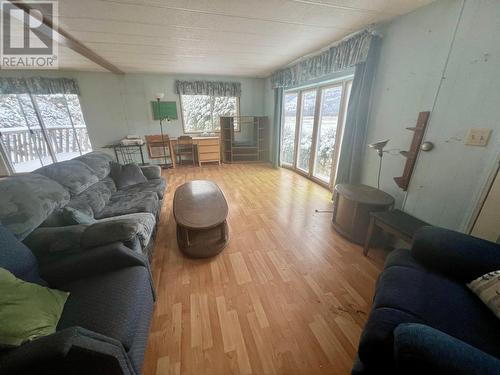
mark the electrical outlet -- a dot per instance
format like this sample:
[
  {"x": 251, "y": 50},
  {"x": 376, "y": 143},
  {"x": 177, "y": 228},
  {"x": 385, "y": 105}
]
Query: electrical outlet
[{"x": 478, "y": 137}]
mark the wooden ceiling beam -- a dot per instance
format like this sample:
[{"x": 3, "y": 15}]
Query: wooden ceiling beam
[{"x": 64, "y": 38}]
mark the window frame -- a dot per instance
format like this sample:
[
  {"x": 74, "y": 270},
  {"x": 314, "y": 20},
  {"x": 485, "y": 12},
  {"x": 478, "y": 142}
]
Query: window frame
[
  {"x": 53, "y": 155},
  {"x": 238, "y": 129}
]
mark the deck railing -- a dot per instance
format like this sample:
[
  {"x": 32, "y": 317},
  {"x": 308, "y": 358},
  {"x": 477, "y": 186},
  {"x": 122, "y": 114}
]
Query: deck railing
[{"x": 24, "y": 145}]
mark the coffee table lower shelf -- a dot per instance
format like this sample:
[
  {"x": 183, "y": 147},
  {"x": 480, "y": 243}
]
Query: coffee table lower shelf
[{"x": 202, "y": 243}]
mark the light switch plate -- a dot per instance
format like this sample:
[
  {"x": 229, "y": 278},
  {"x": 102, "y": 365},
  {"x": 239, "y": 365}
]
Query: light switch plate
[{"x": 478, "y": 137}]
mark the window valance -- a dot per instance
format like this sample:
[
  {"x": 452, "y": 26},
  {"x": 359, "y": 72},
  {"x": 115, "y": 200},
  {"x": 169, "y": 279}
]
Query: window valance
[
  {"x": 213, "y": 88},
  {"x": 38, "y": 85},
  {"x": 336, "y": 58}
]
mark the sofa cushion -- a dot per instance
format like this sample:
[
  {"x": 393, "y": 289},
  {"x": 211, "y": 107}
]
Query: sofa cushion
[
  {"x": 126, "y": 175},
  {"x": 73, "y": 216},
  {"x": 109, "y": 304},
  {"x": 487, "y": 288},
  {"x": 96, "y": 196},
  {"x": 27, "y": 200},
  {"x": 128, "y": 203},
  {"x": 419, "y": 349},
  {"x": 105, "y": 232},
  {"x": 72, "y": 174},
  {"x": 407, "y": 293},
  {"x": 110, "y": 184},
  {"x": 144, "y": 220},
  {"x": 98, "y": 161},
  {"x": 17, "y": 258},
  {"x": 47, "y": 242},
  {"x": 156, "y": 186},
  {"x": 456, "y": 255},
  {"x": 151, "y": 172}
]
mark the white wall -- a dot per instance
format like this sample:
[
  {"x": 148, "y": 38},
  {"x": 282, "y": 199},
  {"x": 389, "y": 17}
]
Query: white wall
[
  {"x": 447, "y": 181},
  {"x": 117, "y": 105}
]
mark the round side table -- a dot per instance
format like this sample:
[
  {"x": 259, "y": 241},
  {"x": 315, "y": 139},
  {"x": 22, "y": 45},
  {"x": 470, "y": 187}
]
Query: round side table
[{"x": 352, "y": 205}]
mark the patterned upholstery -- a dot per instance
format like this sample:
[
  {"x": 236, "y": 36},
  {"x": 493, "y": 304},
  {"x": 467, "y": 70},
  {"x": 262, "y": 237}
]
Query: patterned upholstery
[
  {"x": 96, "y": 196},
  {"x": 27, "y": 200},
  {"x": 46, "y": 242},
  {"x": 74, "y": 175},
  {"x": 156, "y": 186},
  {"x": 146, "y": 224},
  {"x": 109, "y": 304},
  {"x": 151, "y": 172},
  {"x": 104, "y": 325},
  {"x": 99, "y": 162},
  {"x": 122, "y": 203},
  {"x": 37, "y": 200},
  {"x": 110, "y": 184}
]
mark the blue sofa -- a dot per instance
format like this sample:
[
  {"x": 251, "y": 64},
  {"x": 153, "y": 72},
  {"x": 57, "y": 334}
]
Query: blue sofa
[
  {"x": 105, "y": 321},
  {"x": 424, "y": 319}
]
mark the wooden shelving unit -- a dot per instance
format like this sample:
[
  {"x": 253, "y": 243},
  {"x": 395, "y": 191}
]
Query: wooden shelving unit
[
  {"x": 253, "y": 149},
  {"x": 412, "y": 153},
  {"x": 227, "y": 135}
]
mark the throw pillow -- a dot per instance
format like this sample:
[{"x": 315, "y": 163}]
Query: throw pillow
[
  {"x": 126, "y": 175},
  {"x": 73, "y": 216},
  {"x": 487, "y": 288},
  {"x": 17, "y": 258},
  {"x": 28, "y": 311}
]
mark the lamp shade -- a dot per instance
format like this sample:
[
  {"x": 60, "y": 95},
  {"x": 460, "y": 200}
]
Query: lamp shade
[
  {"x": 167, "y": 110},
  {"x": 379, "y": 145}
]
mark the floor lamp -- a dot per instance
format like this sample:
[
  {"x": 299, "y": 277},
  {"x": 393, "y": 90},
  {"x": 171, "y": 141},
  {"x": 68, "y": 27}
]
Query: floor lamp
[
  {"x": 160, "y": 96},
  {"x": 379, "y": 146}
]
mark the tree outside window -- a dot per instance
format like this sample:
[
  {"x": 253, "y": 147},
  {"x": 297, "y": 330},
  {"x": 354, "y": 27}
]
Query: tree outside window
[{"x": 201, "y": 113}]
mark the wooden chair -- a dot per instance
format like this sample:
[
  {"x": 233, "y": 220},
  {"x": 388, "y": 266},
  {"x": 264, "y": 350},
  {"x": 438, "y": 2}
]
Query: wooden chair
[
  {"x": 158, "y": 147},
  {"x": 184, "y": 147}
]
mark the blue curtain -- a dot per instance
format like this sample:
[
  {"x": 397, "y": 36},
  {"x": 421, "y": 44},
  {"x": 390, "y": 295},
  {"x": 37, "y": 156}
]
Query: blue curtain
[
  {"x": 38, "y": 85},
  {"x": 353, "y": 140},
  {"x": 212, "y": 88},
  {"x": 341, "y": 56},
  {"x": 278, "y": 108}
]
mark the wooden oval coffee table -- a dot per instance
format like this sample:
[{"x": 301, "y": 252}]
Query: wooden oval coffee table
[{"x": 200, "y": 211}]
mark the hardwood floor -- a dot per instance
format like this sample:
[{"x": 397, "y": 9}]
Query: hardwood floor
[{"x": 287, "y": 295}]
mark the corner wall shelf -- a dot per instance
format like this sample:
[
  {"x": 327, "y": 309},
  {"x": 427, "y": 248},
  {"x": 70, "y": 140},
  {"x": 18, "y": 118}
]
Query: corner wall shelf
[{"x": 412, "y": 153}]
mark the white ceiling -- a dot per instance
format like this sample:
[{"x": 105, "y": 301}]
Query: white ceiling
[{"x": 222, "y": 37}]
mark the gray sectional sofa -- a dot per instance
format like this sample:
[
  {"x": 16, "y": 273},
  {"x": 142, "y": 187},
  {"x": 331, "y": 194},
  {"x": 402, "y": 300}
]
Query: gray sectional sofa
[{"x": 36, "y": 206}]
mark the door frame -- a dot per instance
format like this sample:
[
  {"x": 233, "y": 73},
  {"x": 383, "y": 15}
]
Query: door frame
[
  {"x": 483, "y": 196},
  {"x": 344, "y": 83}
]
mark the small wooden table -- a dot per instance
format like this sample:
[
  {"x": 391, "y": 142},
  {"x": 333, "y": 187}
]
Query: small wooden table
[
  {"x": 200, "y": 210},
  {"x": 394, "y": 222},
  {"x": 351, "y": 207}
]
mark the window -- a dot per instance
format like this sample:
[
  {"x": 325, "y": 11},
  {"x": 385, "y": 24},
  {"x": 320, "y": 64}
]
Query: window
[
  {"x": 200, "y": 113},
  {"x": 289, "y": 127},
  {"x": 37, "y": 130},
  {"x": 313, "y": 121}
]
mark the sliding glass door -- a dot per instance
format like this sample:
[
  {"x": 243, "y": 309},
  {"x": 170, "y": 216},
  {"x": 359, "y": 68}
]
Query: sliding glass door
[
  {"x": 290, "y": 104},
  {"x": 37, "y": 130},
  {"x": 312, "y": 129},
  {"x": 308, "y": 109},
  {"x": 327, "y": 130}
]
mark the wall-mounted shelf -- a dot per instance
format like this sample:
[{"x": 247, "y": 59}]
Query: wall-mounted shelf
[{"x": 412, "y": 153}]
